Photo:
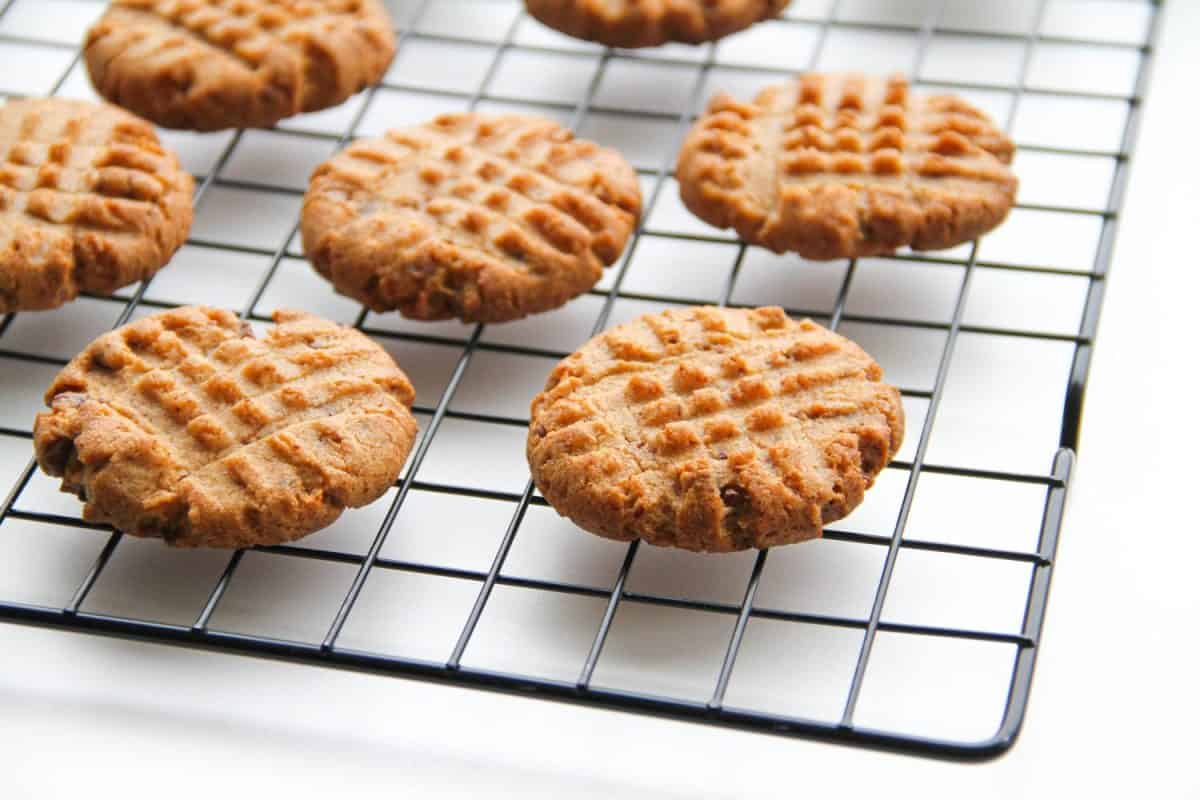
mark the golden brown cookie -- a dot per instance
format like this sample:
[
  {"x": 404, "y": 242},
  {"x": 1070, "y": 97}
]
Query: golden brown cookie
[
  {"x": 647, "y": 23},
  {"x": 713, "y": 429},
  {"x": 481, "y": 217},
  {"x": 838, "y": 166},
  {"x": 89, "y": 202},
  {"x": 212, "y": 64},
  {"x": 185, "y": 426}
]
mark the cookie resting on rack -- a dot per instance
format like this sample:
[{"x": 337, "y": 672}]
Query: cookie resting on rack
[
  {"x": 213, "y": 64},
  {"x": 186, "y": 427},
  {"x": 648, "y": 23},
  {"x": 713, "y": 429},
  {"x": 480, "y": 217},
  {"x": 89, "y": 202},
  {"x": 839, "y": 166}
]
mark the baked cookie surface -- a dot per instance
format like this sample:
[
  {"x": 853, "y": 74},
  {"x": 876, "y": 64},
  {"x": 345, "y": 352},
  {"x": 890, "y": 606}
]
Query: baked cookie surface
[
  {"x": 89, "y": 202},
  {"x": 480, "y": 217},
  {"x": 184, "y": 426},
  {"x": 647, "y": 23},
  {"x": 713, "y": 429},
  {"x": 839, "y": 166},
  {"x": 214, "y": 64}
]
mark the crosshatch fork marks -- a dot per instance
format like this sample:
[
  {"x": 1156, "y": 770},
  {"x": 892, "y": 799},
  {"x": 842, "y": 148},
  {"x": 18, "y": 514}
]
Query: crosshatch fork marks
[
  {"x": 211, "y": 64},
  {"x": 713, "y": 429},
  {"x": 185, "y": 426},
  {"x": 471, "y": 215},
  {"x": 841, "y": 165},
  {"x": 89, "y": 201}
]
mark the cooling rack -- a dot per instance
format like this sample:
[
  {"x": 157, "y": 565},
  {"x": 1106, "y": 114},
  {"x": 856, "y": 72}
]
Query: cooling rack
[{"x": 913, "y": 625}]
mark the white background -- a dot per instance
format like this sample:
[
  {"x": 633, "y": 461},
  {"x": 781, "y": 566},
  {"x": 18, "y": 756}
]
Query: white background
[{"x": 1113, "y": 704}]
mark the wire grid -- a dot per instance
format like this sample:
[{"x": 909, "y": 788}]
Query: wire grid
[{"x": 713, "y": 707}]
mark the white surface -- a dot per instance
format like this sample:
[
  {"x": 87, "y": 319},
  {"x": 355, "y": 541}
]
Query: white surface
[{"x": 1113, "y": 703}]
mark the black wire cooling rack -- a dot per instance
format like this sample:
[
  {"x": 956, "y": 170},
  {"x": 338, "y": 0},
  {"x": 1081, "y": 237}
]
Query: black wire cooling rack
[{"x": 758, "y": 700}]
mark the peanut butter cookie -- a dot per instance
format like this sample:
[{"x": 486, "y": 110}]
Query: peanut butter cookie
[
  {"x": 89, "y": 202},
  {"x": 212, "y": 64},
  {"x": 184, "y": 426},
  {"x": 713, "y": 429},
  {"x": 485, "y": 218},
  {"x": 838, "y": 166},
  {"x": 647, "y": 23}
]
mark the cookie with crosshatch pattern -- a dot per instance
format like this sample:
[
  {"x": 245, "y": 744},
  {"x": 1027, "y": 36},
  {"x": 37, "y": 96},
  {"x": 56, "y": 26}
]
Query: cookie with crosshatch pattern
[
  {"x": 90, "y": 201},
  {"x": 842, "y": 165},
  {"x": 186, "y": 427},
  {"x": 713, "y": 429},
  {"x": 647, "y": 23},
  {"x": 213, "y": 64},
  {"x": 481, "y": 217}
]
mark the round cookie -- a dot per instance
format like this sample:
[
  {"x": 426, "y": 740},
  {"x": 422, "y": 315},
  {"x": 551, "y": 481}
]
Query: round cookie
[
  {"x": 184, "y": 426},
  {"x": 212, "y": 64},
  {"x": 648, "y": 23},
  {"x": 89, "y": 202},
  {"x": 713, "y": 429},
  {"x": 839, "y": 166},
  {"x": 480, "y": 217}
]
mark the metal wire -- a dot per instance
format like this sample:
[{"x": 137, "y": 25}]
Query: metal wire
[
  {"x": 939, "y": 386},
  {"x": 223, "y": 583},
  {"x": 714, "y": 710}
]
